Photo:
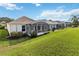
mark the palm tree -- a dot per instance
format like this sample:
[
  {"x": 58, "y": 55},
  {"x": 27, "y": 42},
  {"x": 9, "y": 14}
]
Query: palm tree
[{"x": 75, "y": 22}]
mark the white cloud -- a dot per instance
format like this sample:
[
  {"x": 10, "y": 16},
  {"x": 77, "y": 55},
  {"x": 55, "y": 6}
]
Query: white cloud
[
  {"x": 58, "y": 14},
  {"x": 10, "y": 6},
  {"x": 37, "y": 4}
]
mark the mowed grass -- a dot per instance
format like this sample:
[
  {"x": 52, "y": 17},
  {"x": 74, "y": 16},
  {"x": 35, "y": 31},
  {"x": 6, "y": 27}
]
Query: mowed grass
[
  {"x": 63, "y": 42},
  {"x": 4, "y": 42},
  {"x": 3, "y": 35}
]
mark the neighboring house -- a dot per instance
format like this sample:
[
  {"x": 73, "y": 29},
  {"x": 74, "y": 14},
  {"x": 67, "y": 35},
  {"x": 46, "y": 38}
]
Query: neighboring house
[
  {"x": 3, "y": 23},
  {"x": 27, "y": 25},
  {"x": 54, "y": 24},
  {"x": 68, "y": 24},
  {"x": 61, "y": 24}
]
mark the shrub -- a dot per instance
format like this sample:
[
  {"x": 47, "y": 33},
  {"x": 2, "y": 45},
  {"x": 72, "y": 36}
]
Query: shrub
[
  {"x": 25, "y": 34},
  {"x": 74, "y": 25},
  {"x": 16, "y": 34},
  {"x": 2, "y": 27},
  {"x": 13, "y": 34},
  {"x": 3, "y": 33},
  {"x": 19, "y": 34},
  {"x": 33, "y": 34}
]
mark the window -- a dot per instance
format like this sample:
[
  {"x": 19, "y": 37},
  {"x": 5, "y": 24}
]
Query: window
[
  {"x": 39, "y": 28},
  {"x": 23, "y": 28}
]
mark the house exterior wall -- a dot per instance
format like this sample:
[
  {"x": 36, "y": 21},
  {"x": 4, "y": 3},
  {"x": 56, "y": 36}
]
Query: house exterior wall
[
  {"x": 19, "y": 28},
  {"x": 8, "y": 28},
  {"x": 14, "y": 28}
]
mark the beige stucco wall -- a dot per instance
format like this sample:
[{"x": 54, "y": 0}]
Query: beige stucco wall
[{"x": 14, "y": 28}]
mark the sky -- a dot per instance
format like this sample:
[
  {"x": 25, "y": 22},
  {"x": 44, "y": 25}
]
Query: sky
[{"x": 53, "y": 11}]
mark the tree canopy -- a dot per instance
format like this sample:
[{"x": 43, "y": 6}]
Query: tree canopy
[
  {"x": 6, "y": 19},
  {"x": 75, "y": 21}
]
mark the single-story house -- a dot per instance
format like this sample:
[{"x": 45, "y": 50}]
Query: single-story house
[{"x": 27, "y": 25}]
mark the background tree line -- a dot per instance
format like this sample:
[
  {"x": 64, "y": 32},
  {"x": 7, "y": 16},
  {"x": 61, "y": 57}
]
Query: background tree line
[{"x": 6, "y": 19}]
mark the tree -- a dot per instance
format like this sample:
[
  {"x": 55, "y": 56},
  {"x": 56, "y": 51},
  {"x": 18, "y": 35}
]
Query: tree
[
  {"x": 75, "y": 21},
  {"x": 5, "y": 19}
]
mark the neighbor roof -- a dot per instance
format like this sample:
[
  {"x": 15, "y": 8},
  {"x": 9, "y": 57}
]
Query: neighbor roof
[
  {"x": 51, "y": 22},
  {"x": 22, "y": 20},
  {"x": 3, "y": 22}
]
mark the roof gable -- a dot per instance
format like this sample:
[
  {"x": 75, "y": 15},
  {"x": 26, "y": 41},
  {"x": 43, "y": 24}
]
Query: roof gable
[{"x": 22, "y": 20}]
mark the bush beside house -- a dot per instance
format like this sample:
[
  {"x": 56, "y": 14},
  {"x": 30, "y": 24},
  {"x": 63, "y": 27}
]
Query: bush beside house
[
  {"x": 16, "y": 35},
  {"x": 2, "y": 27},
  {"x": 3, "y": 33},
  {"x": 33, "y": 34}
]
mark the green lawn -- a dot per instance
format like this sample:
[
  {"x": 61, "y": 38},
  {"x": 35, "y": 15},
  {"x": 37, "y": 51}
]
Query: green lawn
[
  {"x": 6, "y": 42},
  {"x": 61, "y": 42}
]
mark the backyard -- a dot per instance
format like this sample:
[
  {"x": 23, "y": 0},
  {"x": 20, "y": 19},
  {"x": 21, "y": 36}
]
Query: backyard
[{"x": 64, "y": 42}]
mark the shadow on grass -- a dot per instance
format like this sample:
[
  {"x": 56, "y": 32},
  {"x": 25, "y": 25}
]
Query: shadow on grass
[{"x": 16, "y": 41}]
